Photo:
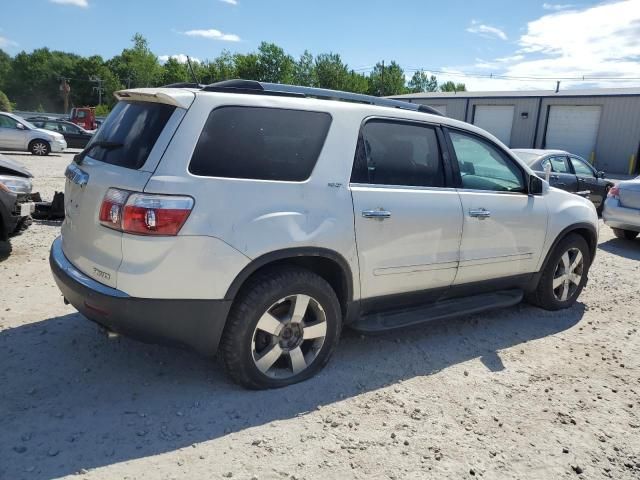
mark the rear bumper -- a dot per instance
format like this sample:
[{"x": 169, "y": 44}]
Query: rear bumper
[
  {"x": 617, "y": 216},
  {"x": 197, "y": 324}
]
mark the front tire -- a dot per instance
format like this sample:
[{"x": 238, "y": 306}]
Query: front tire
[
  {"x": 40, "y": 148},
  {"x": 282, "y": 329},
  {"x": 564, "y": 275},
  {"x": 624, "y": 234}
]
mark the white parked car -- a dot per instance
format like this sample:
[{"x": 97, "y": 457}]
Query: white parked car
[
  {"x": 18, "y": 134},
  {"x": 258, "y": 220},
  {"x": 622, "y": 209}
]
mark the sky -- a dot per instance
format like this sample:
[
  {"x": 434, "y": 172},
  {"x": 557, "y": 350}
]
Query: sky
[{"x": 464, "y": 41}]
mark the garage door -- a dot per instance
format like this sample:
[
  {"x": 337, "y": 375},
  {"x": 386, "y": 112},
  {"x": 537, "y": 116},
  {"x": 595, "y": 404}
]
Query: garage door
[
  {"x": 495, "y": 119},
  {"x": 574, "y": 129}
]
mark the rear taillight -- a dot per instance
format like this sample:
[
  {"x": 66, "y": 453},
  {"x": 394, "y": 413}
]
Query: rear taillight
[
  {"x": 144, "y": 213},
  {"x": 614, "y": 192}
]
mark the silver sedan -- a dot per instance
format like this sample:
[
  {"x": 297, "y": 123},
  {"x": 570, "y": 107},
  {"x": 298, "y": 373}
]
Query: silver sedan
[{"x": 622, "y": 209}]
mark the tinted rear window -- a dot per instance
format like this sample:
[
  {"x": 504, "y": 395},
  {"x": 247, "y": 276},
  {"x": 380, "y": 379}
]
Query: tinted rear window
[
  {"x": 137, "y": 126},
  {"x": 260, "y": 143}
]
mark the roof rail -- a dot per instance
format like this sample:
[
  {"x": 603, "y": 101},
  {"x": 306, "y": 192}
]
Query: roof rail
[
  {"x": 264, "y": 88},
  {"x": 183, "y": 85}
]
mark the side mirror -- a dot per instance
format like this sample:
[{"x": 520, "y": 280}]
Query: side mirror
[
  {"x": 20, "y": 126},
  {"x": 536, "y": 186},
  {"x": 600, "y": 174}
]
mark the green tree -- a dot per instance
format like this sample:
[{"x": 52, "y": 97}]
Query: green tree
[
  {"x": 357, "y": 83},
  {"x": 387, "y": 80},
  {"x": 5, "y": 68},
  {"x": 174, "y": 72},
  {"x": 247, "y": 66},
  {"x": 331, "y": 72},
  {"x": 223, "y": 67},
  {"x": 453, "y": 87},
  {"x": 137, "y": 66},
  {"x": 5, "y": 104},
  {"x": 304, "y": 72},
  {"x": 421, "y": 82},
  {"x": 274, "y": 65}
]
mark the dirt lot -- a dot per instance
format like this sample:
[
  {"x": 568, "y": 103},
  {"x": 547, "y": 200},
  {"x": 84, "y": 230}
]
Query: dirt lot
[{"x": 520, "y": 393}]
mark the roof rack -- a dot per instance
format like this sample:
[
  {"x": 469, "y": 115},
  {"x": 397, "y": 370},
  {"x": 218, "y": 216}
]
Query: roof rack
[
  {"x": 184, "y": 85},
  {"x": 263, "y": 88}
]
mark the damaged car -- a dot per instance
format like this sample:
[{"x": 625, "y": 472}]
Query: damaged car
[{"x": 16, "y": 205}]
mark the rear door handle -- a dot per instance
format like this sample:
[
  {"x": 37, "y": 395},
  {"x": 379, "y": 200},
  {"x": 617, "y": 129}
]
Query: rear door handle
[
  {"x": 555, "y": 177},
  {"x": 380, "y": 214},
  {"x": 480, "y": 213}
]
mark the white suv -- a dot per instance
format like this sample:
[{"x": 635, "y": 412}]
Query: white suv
[{"x": 259, "y": 219}]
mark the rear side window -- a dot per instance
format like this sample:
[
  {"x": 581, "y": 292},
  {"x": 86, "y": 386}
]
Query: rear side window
[
  {"x": 398, "y": 153},
  {"x": 135, "y": 126},
  {"x": 260, "y": 143}
]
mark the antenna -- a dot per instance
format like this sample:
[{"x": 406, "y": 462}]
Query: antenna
[{"x": 193, "y": 74}]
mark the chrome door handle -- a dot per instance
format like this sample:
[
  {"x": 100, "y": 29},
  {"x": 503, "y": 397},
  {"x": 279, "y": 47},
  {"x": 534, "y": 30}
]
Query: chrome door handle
[
  {"x": 555, "y": 177},
  {"x": 480, "y": 213},
  {"x": 381, "y": 214}
]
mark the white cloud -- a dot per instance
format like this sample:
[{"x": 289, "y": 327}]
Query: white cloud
[
  {"x": 7, "y": 43},
  {"x": 230, "y": 2},
  {"x": 75, "y": 3},
  {"x": 486, "y": 30},
  {"x": 213, "y": 34},
  {"x": 598, "y": 41},
  {"x": 180, "y": 57},
  {"x": 557, "y": 6}
]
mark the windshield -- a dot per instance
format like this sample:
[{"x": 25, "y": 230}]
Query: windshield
[
  {"x": 527, "y": 157},
  {"x": 134, "y": 125}
]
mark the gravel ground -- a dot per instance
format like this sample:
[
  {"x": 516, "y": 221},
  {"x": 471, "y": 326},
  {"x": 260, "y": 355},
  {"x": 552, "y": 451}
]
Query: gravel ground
[{"x": 519, "y": 393}]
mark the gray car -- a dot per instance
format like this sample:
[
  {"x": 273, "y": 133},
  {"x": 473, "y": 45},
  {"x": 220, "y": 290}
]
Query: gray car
[
  {"x": 622, "y": 209},
  {"x": 18, "y": 134},
  {"x": 568, "y": 172}
]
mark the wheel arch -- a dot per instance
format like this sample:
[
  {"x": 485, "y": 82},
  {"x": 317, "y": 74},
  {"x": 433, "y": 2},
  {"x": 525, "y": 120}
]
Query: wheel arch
[
  {"x": 585, "y": 230},
  {"x": 38, "y": 139},
  {"x": 330, "y": 265}
]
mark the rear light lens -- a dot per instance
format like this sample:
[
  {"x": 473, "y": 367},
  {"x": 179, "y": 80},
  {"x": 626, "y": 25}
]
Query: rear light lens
[
  {"x": 614, "y": 192},
  {"x": 145, "y": 213}
]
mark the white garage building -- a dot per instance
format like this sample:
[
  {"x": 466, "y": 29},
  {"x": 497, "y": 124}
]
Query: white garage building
[{"x": 601, "y": 125}]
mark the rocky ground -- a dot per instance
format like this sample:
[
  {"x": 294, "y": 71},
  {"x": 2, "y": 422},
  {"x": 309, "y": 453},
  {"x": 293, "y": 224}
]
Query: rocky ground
[{"x": 516, "y": 394}]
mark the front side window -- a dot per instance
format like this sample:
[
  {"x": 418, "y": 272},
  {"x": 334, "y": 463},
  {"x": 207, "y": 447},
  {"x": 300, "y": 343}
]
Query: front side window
[
  {"x": 581, "y": 168},
  {"x": 398, "y": 153},
  {"x": 7, "y": 122},
  {"x": 484, "y": 167},
  {"x": 260, "y": 143},
  {"x": 558, "y": 164}
]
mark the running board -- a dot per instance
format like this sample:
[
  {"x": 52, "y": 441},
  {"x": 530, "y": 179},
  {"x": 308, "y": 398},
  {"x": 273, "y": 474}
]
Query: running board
[{"x": 453, "y": 307}]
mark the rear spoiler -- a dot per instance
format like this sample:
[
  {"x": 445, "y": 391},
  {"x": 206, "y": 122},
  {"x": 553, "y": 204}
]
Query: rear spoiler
[{"x": 176, "y": 97}]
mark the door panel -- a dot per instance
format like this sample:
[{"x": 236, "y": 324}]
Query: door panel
[
  {"x": 587, "y": 180},
  {"x": 504, "y": 241},
  {"x": 504, "y": 228},
  {"x": 416, "y": 247},
  {"x": 561, "y": 174},
  {"x": 10, "y": 136}
]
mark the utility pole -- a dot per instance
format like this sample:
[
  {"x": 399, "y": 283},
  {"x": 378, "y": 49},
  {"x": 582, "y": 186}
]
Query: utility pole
[
  {"x": 557, "y": 86},
  {"x": 382, "y": 87},
  {"x": 64, "y": 91},
  {"x": 99, "y": 88}
]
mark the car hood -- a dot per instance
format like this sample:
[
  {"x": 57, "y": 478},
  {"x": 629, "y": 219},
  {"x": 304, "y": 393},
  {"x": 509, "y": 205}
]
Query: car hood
[
  {"x": 11, "y": 167},
  {"x": 49, "y": 133}
]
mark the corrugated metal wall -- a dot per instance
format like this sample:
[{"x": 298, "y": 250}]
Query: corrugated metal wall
[{"x": 618, "y": 134}]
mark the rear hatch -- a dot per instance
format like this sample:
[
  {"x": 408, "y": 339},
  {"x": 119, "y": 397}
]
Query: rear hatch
[
  {"x": 630, "y": 194},
  {"x": 135, "y": 135}
]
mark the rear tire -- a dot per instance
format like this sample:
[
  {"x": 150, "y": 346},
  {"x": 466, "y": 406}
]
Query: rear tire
[
  {"x": 564, "y": 276},
  {"x": 282, "y": 329},
  {"x": 5, "y": 248},
  {"x": 40, "y": 148},
  {"x": 624, "y": 234}
]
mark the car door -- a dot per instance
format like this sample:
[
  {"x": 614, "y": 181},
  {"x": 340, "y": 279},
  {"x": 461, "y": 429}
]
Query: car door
[
  {"x": 408, "y": 219},
  {"x": 73, "y": 135},
  {"x": 504, "y": 227},
  {"x": 11, "y": 137},
  {"x": 562, "y": 175},
  {"x": 588, "y": 180}
]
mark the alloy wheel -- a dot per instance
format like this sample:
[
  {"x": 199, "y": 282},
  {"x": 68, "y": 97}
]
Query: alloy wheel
[
  {"x": 289, "y": 336},
  {"x": 568, "y": 274},
  {"x": 39, "y": 148}
]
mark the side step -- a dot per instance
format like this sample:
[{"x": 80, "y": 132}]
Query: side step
[{"x": 453, "y": 307}]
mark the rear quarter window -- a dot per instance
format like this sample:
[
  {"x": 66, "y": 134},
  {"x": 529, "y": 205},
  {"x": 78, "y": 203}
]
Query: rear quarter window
[
  {"x": 134, "y": 125},
  {"x": 260, "y": 143}
]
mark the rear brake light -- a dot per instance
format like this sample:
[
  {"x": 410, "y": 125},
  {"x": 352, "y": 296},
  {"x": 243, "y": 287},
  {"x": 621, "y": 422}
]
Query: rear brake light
[
  {"x": 144, "y": 213},
  {"x": 614, "y": 192}
]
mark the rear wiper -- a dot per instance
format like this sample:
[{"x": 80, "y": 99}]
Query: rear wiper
[{"x": 79, "y": 158}]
